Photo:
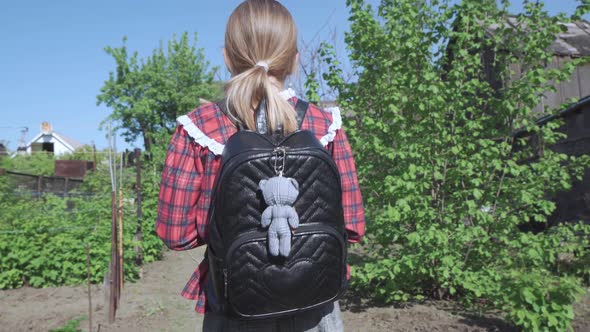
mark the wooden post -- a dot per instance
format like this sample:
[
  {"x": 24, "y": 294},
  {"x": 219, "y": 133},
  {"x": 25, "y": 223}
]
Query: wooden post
[
  {"x": 138, "y": 231},
  {"x": 89, "y": 290},
  {"x": 39, "y": 184},
  {"x": 120, "y": 240},
  {"x": 114, "y": 274},
  {"x": 66, "y": 182},
  {"x": 94, "y": 156}
]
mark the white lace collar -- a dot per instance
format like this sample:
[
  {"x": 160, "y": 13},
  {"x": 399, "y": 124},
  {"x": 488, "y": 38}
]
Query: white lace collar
[
  {"x": 288, "y": 93},
  {"x": 217, "y": 148}
]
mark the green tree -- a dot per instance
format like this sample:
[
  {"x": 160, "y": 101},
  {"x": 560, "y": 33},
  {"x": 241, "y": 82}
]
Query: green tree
[
  {"x": 445, "y": 182},
  {"x": 147, "y": 95}
]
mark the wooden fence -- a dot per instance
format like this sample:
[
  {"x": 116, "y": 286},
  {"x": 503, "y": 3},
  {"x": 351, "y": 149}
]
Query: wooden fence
[{"x": 38, "y": 185}]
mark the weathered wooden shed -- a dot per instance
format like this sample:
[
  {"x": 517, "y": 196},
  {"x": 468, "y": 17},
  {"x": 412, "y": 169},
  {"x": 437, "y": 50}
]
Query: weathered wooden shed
[
  {"x": 573, "y": 204},
  {"x": 573, "y": 43},
  {"x": 570, "y": 44}
]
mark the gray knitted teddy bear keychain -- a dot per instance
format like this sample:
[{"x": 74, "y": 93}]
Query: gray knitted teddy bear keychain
[{"x": 280, "y": 217}]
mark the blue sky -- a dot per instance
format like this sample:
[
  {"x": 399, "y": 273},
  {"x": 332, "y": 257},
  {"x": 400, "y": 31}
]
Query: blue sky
[{"x": 52, "y": 62}]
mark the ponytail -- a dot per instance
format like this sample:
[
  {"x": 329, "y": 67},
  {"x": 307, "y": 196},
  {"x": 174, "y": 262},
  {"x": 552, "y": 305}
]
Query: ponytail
[
  {"x": 245, "y": 90},
  {"x": 260, "y": 43}
]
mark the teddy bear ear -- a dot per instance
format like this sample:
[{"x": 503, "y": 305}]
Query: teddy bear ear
[
  {"x": 294, "y": 183},
  {"x": 262, "y": 183}
]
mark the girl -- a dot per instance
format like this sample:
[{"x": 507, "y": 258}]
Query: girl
[{"x": 260, "y": 52}]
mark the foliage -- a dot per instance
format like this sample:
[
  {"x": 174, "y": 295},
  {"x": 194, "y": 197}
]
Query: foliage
[
  {"x": 312, "y": 87},
  {"x": 43, "y": 163},
  {"x": 72, "y": 325},
  {"x": 536, "y": 300},
  {"x": 37, "y": 164},
  {"x": 43, "y": 241},
  {"x": 447, "y": 186},
  {"x": 86, "y": 152},
  {"x": 147, "y": 95}
]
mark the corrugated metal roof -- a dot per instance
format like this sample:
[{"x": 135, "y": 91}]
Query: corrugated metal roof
[{"x": 575, "y": 41}]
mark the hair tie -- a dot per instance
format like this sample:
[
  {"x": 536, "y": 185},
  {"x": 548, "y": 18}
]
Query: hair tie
[{"x": 262, "y": 64}]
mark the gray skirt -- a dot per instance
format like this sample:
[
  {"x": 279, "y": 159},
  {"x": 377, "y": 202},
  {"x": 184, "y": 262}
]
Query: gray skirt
[{"x": 327, "y": 319}]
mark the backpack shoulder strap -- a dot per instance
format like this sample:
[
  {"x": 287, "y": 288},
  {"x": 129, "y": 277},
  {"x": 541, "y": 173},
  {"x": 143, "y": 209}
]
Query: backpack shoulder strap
[
  {"x": 301, "y": 109},
  {"x": 222, "y": 104}
]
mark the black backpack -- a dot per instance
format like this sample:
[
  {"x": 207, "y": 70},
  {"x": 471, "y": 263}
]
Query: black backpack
[{"x": 248, "y": 282}]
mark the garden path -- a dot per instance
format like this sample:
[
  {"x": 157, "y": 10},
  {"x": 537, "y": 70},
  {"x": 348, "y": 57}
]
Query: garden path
[{"x": 154, "y": 304}]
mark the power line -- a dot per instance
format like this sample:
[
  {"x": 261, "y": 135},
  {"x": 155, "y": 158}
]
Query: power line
[{"x": 15, "y": 127}]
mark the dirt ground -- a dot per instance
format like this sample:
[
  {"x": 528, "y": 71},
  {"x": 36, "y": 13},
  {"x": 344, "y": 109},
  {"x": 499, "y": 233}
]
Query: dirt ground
[{"x": 154, "y": 304}]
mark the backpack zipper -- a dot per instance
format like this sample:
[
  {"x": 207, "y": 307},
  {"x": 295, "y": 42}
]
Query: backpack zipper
[{"x": 230, "y": 164}]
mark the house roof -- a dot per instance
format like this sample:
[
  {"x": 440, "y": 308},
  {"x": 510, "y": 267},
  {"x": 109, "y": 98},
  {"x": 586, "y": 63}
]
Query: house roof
[
  {"x": 574, "y": 42},
  {"x": 564, "y": 112},
  {"x": 70, "y": 143}
]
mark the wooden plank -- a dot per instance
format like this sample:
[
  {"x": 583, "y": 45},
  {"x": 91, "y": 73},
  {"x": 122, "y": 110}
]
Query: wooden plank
[
  {"x": 539, "y": 109},
  {"x": 491, "y": 74},
  {"x": 584, "y": 79},
  {"x": 553, "y": 99},
  {"x": 516, "y": 72},
  {"x": 138, "y": 230},
  {"x": 569, "y": 89},
  {"x": 114, "y": 272},
  {"x": 120, "y": 241},
  {"x": 71, "y": 168}
]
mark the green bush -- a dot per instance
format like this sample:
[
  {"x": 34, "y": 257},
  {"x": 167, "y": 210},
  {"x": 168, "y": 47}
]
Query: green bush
[
  {"x": 446, "y": 184},
  {"x": 38, "y": 164},
  {"x": 43, "y": 241}
]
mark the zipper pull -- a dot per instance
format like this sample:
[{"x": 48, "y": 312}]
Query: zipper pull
[{"x": 225, "y": 283}]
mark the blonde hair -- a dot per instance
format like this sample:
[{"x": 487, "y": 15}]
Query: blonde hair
[{"x": 260, "y": 42}]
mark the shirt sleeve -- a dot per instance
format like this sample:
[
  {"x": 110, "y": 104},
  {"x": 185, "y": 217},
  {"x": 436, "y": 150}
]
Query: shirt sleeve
[
  {"x": 352, "y": 201},
  {"x": 176, "y": 222}
]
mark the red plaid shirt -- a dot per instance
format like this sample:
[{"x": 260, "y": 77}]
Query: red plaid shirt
[{"x": 190, "y": 170}]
